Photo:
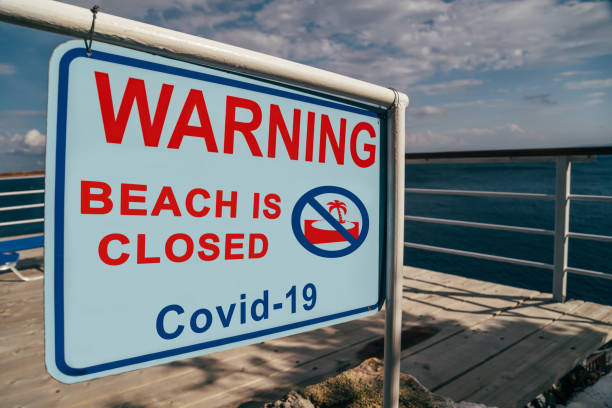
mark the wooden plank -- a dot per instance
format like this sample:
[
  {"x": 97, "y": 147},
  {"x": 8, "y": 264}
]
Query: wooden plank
[
  {"x": 532, "y": 365},
  {"x": 17, "y": 291},
  {"x": 271, "y": 385},
  {"x": 573, "y": 346},
  {"x": 264, "y": 360},
  {"x": 238, "y": 381},
  {"x": 207, "y": 377},
  {"x": 265, "y": 383},
  {"x": 20, "y": 313},
  {"x": 453, "y": 304},
  {"x": 379, "y": 320},
  {"x": 455, "y": 315},
  {"x": 467, "y": 348},
  {"x": 124, "y": 381}
]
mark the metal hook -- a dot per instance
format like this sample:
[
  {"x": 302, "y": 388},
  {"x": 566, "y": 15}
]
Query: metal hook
[
  {"x": 94, "y": 10},
  {"x": 395, "y": 98}
]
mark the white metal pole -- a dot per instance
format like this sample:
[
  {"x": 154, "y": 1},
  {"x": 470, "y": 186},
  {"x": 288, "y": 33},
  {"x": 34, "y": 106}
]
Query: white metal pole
[
  {"x": 562, "y": 209},
  {"x": 76, "y": 21},
  {"x": 395, "y": 250}
]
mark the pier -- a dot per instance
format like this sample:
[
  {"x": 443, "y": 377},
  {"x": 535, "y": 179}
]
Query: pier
[{"x": 466, "y": 339}]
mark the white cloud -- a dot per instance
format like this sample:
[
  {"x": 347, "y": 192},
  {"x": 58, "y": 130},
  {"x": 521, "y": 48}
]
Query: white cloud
[
  {"x": 12, "y": 119},
  {"x": 445, "y": 87},
  {"x": 34, "y": 138},
  {"x": 466, "y": 104},
  {"x": 483, "y": 103},
  {"x": 514, "y": 128},
  {"x": 433, "y": 141},
  {"x": 574, "y": 73},
  {"x": 30, "y": 142},
  {"x": 595, "y": 98},
  {"x": 596, "y": 95},
  {"x": 22, "y": 112},
  {"x": 425, "y": 112},
  {"x": 474, "y": 132},
  {"x": 591, "y": 84},
  {"x": 7, "y": 69},
  {"x": 391, "y": 42},
  {"x": 470, "y": 138}
]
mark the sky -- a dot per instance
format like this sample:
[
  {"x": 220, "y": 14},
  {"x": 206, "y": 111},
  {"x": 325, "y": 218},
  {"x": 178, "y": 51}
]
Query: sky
[{"x": 480, "y": 74}]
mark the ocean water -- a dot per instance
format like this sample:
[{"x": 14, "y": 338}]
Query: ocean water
[{"x": 588, "y": 217}]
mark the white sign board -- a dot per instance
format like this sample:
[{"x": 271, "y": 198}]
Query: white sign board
[{"x": 191, "y": 210}]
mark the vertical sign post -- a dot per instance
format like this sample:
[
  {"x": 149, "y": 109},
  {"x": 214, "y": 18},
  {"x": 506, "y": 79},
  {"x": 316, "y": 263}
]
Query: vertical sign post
[{"x": 395, "y": 252}]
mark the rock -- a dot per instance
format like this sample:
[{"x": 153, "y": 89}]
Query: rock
[
  {"x": 465, "y": 404},
  {"x": 291, "y": 400},
  {"x": 598, "y": 395},
  {"x": 362, "y": 387}
]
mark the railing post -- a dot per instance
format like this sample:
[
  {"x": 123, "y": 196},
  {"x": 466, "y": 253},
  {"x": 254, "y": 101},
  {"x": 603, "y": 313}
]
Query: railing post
[
  {"x": 562, "y": 210},
  {"x": 395, "y": 250}
]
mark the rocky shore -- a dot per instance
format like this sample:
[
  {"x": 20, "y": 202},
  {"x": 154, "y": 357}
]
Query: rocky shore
[{"x": 362, "y": 387}]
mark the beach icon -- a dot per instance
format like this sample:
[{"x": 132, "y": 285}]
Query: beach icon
[
  {"x": 330, "y": 221},
  {"x": 319, "y": 231}
]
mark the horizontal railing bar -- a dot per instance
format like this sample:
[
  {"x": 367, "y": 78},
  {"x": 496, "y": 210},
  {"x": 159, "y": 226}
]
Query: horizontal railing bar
[
  {"x": 67, "y": 19},
  {"x": 479, "y": 255},
  {"x": 13, "y": 193},
  {"x": 592, "y": 237},
  {"x": 479, "y": 225},
  {"x": 21, "y": 207},
  {"x": 477, "y": 193},
  {"x": 563, "y": 151},
  {"x": 501, "y": 159},
  {"x": 580, "y": 197},
  {"x": 6, "y": 224},
  {"x": 3, "y": 178},
  {"x": 22, "y": 174},
  {"x": 587, "y": 272}
]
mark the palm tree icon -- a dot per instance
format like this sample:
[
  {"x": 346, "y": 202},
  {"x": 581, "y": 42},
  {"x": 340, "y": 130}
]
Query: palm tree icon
[{"x": 338, "y": 206}]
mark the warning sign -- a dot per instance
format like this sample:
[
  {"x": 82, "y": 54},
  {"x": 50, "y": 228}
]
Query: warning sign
[{"x": 191, "y": 210}]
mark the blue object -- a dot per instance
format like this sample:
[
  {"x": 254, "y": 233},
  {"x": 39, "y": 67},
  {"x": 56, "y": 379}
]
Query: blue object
[
  {"x": 9, "y": 253},
  {"x": 21, "y": 244}
]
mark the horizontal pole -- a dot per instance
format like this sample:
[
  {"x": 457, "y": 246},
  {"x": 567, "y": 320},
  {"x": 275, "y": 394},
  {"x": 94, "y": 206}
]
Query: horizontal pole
[
  {"x": 479, "y": 225},
  {"x": 14, "y": 193},
  {"x": 500, "y": 159},
  {"x": 21, "y": 207},
  {"x": 478, "y": 255},
  {"x": 580, "y": 197},
  {"x": 477, "y": 193},
  {"x": 71, "y": 20},
  {"x": 587, "y": 272},
  {"x": 514, "y": 153},
  {"x": 592, "y": 237},
  {"x": 13, "y": 177},
  {"x": 6, "y": 224}
]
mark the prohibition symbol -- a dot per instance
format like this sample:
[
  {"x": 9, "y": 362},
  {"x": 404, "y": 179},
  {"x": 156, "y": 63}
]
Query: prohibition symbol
[{"x": 317, "y": 232}]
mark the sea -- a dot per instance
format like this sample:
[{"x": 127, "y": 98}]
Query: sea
[
  {"x": 592, "y": 178},
  {"x": 589, "y": 178}
]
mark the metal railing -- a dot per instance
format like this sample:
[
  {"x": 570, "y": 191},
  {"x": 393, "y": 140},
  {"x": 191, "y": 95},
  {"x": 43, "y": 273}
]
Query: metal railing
[
  {"x": 562, "y": 198},
  {"x": 20, "y": 193}
]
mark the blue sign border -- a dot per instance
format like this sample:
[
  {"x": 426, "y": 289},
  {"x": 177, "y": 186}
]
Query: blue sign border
[{"x": 58, "y": 238}]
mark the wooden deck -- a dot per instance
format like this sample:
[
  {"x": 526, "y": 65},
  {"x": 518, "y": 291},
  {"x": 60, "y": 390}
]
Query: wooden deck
[{"x": 467, "y": 339}]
